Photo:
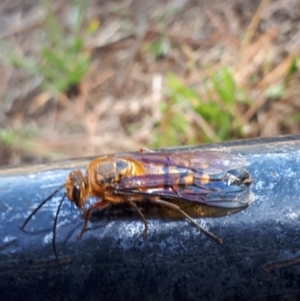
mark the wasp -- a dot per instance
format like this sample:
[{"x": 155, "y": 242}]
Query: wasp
[{"x": 187, "y": 183}]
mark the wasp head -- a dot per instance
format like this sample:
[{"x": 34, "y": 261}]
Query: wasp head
[{"x": 75, "y": 188}]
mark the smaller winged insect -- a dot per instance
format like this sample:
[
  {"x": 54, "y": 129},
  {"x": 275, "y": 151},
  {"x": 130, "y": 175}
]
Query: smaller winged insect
[{"x": 213, "y": 181}]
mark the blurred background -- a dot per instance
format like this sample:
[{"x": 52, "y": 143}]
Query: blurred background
[{"x": 84, "y": 78}]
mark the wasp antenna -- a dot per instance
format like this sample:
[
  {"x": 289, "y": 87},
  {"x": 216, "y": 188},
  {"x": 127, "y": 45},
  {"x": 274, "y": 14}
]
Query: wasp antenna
[
  {"x": 54, "y": 230},
  {"x": 40, "y": 205}
]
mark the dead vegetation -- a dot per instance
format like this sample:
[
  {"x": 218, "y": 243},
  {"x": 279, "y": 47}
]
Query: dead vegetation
[{"x": 158, "y": 73}]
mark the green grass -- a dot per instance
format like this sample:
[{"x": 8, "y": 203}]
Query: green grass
[
  {"x": 61, "y": 61},
  {"x": 191, "y": 118}
]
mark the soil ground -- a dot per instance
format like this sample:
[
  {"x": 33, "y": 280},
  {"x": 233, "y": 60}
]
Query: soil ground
[{"x": 117, "y": 105}]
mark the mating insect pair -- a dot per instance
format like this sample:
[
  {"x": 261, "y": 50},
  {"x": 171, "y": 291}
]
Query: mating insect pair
[{"x": 174, "y": 180}]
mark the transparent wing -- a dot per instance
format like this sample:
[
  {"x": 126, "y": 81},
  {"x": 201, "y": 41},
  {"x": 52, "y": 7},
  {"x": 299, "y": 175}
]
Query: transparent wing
[{"x": 208, "y": 162}]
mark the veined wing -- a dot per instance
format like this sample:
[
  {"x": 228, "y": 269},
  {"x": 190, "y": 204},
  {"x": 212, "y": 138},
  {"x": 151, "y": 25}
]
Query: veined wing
[
  {"x": 201, "y": 162},
  {"x": 216, "y": 194},
  {"x": 224, "y": 191}
]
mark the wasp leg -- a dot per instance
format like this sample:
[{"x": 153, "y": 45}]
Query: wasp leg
[
  {"x": 177, "y": 208},
  {"x": 87, "y": 214},
  {"x": 136, "y": 208},
  {"x": 281, "y": 264}
]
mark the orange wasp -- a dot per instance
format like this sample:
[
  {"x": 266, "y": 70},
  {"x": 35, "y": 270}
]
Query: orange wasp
[{"x": 177, "y": 181}]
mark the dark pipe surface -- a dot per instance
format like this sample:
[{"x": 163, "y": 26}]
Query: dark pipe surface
[{"x": 175, "y": 261}]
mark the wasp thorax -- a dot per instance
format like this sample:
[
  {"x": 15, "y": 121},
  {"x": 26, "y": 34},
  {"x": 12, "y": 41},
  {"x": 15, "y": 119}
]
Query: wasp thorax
[
  {"x": 73, "y": 185},
  {"x": 109, "y": 172}
]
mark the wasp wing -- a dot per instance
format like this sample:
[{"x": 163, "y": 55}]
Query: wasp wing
[
  {"x": 208, "y": 162},
  {"x": 198, "y": 176},
  {"x": 216, "y": 194}
]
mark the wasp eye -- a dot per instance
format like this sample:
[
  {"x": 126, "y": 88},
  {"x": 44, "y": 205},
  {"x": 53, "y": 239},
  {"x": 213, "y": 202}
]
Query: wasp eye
[{"x": 76, "y": 194}]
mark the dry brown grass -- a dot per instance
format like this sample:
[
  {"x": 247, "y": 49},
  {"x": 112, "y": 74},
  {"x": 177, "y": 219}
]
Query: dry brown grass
[{"x": 116, "y": 106}]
